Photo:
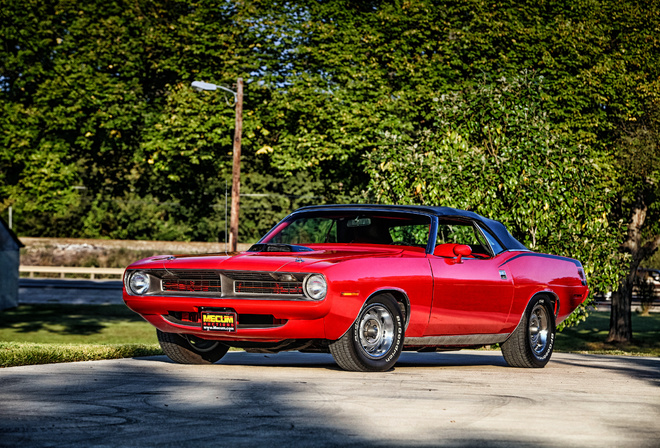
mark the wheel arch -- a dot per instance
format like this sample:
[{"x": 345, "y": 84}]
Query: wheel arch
[
  {"x": 400, "y": 296},
  {"x": 554, "y": 299},
  {"x": 550, "y": 295},
  {"x": 375, "y": 339},
  {"x": 531, "y": 343}
]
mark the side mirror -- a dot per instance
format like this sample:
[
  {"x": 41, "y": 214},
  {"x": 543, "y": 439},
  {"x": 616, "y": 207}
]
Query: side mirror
[{"x": 462, "y": 250}]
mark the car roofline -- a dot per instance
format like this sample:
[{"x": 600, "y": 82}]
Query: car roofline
[
  {"x": 438, "y": 211},
  {"x": 497, "y": 228}
]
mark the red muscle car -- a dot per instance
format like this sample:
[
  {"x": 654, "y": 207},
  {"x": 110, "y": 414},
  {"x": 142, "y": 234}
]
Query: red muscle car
[{"x": 363, "y": 282}]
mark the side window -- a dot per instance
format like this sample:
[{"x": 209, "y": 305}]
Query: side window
[
  {"x": 456, "y": 233},
  {"x": 494, "y": 244},
  {"x": 463, "y": 233}
]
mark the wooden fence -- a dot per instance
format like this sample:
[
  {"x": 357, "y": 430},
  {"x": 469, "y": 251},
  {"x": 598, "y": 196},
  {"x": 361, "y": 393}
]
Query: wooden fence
[{"x": 63, "y": 271}]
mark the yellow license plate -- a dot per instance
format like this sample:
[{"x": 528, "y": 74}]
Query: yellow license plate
[{"x": 219, "y": 321}]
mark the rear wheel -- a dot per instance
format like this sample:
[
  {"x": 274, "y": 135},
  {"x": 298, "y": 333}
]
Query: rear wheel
[
  {"x": 188, "y": 349},
  {"x": 531, "y": 343},
  {"x": 374, "y": 341}
]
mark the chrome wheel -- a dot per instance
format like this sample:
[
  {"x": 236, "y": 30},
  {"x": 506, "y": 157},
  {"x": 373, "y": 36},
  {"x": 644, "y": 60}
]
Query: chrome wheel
[
  {"x": 539, "y": 326},
  {"x": 532, "y": 342},
  {"x": 376, "y": 331},
  {"x": 375, "y": 340}
]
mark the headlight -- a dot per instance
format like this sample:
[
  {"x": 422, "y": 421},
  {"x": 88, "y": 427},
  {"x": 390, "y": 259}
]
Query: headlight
[
  {"x": 315, "y": 286},
  {"x": 139, "y": 283}
]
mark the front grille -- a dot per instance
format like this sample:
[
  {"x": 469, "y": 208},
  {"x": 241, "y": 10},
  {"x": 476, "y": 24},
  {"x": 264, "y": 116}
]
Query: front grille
[
  {"x": 250, "y": 276},
  {"x": 186, "y": 285},
  {"x": 274, "y": 288},
  {"x": 192, "y": 274}
]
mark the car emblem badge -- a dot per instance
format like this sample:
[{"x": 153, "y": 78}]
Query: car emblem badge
[{"x": 299, "y": 260}]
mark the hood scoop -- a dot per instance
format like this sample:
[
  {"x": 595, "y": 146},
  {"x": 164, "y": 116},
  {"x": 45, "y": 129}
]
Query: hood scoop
[{"x": 264, "y": 247}]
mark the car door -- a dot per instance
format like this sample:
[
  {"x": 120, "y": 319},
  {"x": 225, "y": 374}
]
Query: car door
[{"x": 471, "y": 294}]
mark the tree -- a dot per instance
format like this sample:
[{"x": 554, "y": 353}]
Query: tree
[
  {"x": 539, "y": 105},
  {"x": 495, "y": 151},
  {"x": 639, "y": 200},
  {"x": 74, "y": 76}
]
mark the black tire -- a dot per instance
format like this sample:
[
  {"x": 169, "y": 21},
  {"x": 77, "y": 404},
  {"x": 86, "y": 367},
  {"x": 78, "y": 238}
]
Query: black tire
[
  {"x": 531, "y": 343},
  {"x": 186, "y": 349},
  {"x": 374, "y": 341}
]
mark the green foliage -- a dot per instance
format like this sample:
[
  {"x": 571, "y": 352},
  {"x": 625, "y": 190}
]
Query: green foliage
[
  {"x": 495, "y": 150},
  {"x": 541, "y": 114},
  {"x": 638, "y": 156},
  {"x": 134, "y": 217},
  {"x": 589, "y": 336}
]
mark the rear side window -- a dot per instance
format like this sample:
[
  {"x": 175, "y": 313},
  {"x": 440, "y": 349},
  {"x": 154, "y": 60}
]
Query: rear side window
[{"x": 494, "y": 244}]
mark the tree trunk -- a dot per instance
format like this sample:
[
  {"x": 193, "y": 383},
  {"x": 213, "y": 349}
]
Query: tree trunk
[
  {"x": 620, "y": 316},
  {"x": 639, "y": 249}
]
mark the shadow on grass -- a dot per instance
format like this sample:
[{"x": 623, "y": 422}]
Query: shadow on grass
[
  {"x": 592, "y": 334},
  {"x": 65, "y": 319}
]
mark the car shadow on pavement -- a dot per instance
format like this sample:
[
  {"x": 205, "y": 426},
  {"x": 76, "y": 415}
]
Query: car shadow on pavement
[
  {"x": 325, "y": 360},
  {"x": 635, "y": 367}
]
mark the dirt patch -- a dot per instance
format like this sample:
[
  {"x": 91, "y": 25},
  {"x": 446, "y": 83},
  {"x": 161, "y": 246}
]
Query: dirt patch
[{"x": 106, "y": 253}]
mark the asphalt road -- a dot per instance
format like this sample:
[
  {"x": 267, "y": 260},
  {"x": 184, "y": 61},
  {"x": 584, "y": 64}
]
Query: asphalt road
[
  {"x": 69, "y": 291},
  {"x": 464, "y": 398}
]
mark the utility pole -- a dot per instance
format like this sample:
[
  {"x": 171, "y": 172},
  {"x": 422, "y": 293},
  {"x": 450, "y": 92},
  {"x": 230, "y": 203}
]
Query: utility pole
[
  {"x": 236, "y": 166},
  {"x": 236, "y": 169}
]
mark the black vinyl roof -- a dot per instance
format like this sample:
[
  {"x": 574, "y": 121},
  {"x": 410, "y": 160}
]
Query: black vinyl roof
[{"x": 497, "y": 228}]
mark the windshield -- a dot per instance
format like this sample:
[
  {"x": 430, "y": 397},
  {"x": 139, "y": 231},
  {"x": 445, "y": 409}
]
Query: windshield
[{"x": 353, "y": 228}]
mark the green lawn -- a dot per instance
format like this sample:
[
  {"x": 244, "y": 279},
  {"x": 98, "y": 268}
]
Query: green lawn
[
  {"x": 38, "y": 334},
  {"x": 75, "y": 324},
  {"x": 589, "y": 336}
]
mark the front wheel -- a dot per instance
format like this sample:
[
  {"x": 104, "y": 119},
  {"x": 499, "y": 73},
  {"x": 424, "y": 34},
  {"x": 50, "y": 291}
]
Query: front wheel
[
  {"x": 531, "y": 343},
  {"x": 374, "y": 341},
  {"x": 188, "y": 349}
]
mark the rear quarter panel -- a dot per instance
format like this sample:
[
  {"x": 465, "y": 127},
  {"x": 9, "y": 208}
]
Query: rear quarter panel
[{"x": 535, "y": 273}]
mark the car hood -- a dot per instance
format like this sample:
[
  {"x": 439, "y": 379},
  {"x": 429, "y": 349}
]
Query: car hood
[{"x": 265, "y": 261}]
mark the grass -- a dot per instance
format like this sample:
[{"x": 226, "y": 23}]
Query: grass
[
  {"x": 40, "y": 334},
  {"x": 590, "y": 336},
  {"x": 75, "y": 324},
  {"x": 27, "y": 353}
]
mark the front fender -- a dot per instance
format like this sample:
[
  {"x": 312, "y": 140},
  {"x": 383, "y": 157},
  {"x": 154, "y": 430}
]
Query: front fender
[
  {"x": 338, "y": 323},
  {"x": 353, "y": 282}
]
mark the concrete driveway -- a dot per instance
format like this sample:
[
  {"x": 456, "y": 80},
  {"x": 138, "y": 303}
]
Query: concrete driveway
[{"x": 464, "y": 398}]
